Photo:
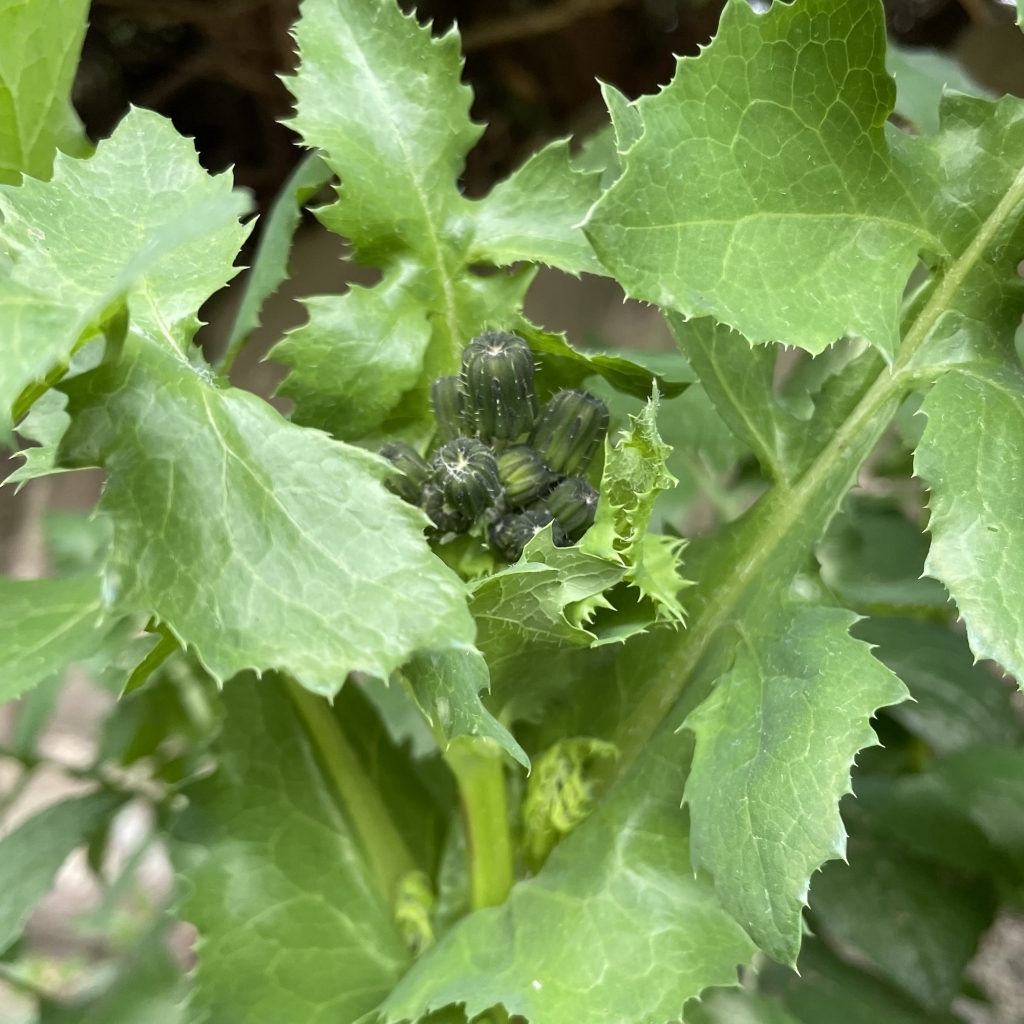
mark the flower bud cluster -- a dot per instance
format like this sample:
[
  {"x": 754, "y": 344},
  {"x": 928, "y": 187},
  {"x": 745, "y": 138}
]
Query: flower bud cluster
[{"x": 502, "y": 463}]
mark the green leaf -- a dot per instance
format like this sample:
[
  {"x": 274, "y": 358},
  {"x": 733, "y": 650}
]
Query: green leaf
[
  {"x": 291, "y": 926},
  {"x": 736, "y": 1006},
  {"x": 535, "y": 215},
  {"x": 774, "y": 745},
  {"x": 969, "y": 207},
  {"x": 872, "y": 559},
  {"x": 141, "y": 219},
  {"x": 32, "y": 854},
  {"x": 447, "y": 686},
  {"x": 397, "y": 141},
  {"x": 356, "y": 356},
  {"x": 916, "y": 927},
  {"x": 32, "y": 713},
  {"x": 562, "y": 366},
  {"x": 977, "y": 534},
  {"x": 827, "y": 991},
  {"x": 270, "y": 265},
  {"x": 917, "y": 812},
  {"x": 987, "y": 784},
  {"x": 76, "y": 542},
  {"x": 526, "y": 605},
  {"x": 922, "y": 76},
  {"x": 785, "y": 431},
  {"x": 48, "y": 623},
  {"x": 408, "y": 788},
  {"x": 626, "y": 120},
  {"x": 615, "y": 927},
  {"x": 956, "y": 703},
  {"x": 46, "y": 422},
  {"x": 39, "y": 45},
  {"x": 762, "y": 190},
  {"x": 310, "y": 564},
  {"x": 634, "y": 475}
]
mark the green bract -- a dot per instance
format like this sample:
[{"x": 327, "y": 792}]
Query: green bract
[{"x": 503, "y": 680}]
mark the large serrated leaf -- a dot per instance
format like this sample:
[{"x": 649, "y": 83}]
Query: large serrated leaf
[
  {"x": 309, "y": 564},
  {"x": 39, "y": 45},
  {"x": 140, "y": 219},
  {"x": 291, "y": 926},
  {"x": 762, "y": 190},
  {"x": 977, "y": 533},
  {"x": 774, "y": 746},
  {"x": 397, "y": 142}
]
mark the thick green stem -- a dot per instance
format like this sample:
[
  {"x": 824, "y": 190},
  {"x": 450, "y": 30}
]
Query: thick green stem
[
  {"x": 738, "y": 568},
  {"x": 477, "y": 764},
  {"x": 382, "y": 844}
]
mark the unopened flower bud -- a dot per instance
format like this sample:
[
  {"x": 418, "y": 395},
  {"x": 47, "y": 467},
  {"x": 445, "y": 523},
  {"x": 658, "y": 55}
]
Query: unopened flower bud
[
  {"x": 511, "y": 533},
  {"x": 571, "y": 426},
  {"x": 466, "y": 472},
  {"x": 445, "y": 518},
  {"x": 523, "y": 475},
  {"x": 413, "y": 471},
  {"x": 573, "y": 503},
  {"x": 497, "y": 380},
  {"x": 448, "y": 402}
]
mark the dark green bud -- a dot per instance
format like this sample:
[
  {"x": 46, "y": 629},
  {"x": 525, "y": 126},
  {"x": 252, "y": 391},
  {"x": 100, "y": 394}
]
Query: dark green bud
[
  {"x": 497, "y": 380},
  {"x": 445, "y": 518},
  {"x": 511, "y": 533},
  {"x": 570, "y": 428},
  {"x": 448, "y": 402},
  {"x": 523, "y": 475},
  {"x": 467, "y": 474},
  {"x": 413, "y": 471},
  {"x": 573, "y": 503}
]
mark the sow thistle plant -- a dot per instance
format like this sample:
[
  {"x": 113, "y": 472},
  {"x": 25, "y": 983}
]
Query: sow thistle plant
[{"x": 439, "y": 717}]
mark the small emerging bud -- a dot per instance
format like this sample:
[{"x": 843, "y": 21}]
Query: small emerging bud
[
  {"x": 497, "y": 378},
  {"x": 511, "y": 533},
  {"x": 466, "y": 472},
  {"x": 571, "y": 426},
  {"x": 413, "y": 471},
  {"x": 523, "y": 475},
  {"x": 448, "y": 402},
  {"x": 445, "y": 518},
  {"x": 573, "y": 503}
]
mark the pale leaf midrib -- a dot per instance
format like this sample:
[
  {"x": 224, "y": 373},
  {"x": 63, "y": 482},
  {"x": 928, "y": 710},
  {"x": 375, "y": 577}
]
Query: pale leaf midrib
[{"x": 447, "y": 284}]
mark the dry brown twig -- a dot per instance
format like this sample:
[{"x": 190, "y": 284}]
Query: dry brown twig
[{"x": 541, "y": 22}]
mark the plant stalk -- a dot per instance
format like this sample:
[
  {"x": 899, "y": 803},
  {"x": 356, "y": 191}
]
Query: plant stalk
[
  {"x": 477, "y": 765},
  {"x": 385, "y": 850},
  {"x": 478, "y": 768}
]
